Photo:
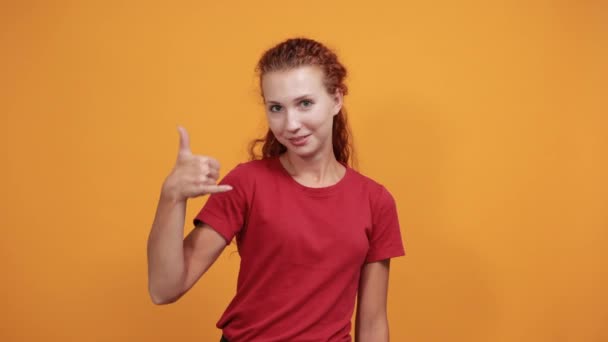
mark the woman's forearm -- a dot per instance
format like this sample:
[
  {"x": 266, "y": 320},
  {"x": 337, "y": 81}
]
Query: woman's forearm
[
  {"x": 166, "y": 270},
  {"x": 372, "y": 330}
]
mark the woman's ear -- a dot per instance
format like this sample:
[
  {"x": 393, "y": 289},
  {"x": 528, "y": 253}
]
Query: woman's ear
[{"x": 338, "y": 98}]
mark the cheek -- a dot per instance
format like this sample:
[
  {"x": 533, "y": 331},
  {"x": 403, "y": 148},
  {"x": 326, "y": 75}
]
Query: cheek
[
  {"x": 318, "y": 119},
  {"x": 274, "y": 122},
  {"x": 275, "y": 125}
]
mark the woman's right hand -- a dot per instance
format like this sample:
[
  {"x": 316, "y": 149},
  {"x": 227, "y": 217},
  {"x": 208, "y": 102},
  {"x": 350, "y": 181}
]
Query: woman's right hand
[{"x": 193, "y": 175}]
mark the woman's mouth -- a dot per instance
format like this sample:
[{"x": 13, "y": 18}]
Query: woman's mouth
[{"x": 299, "y": 141}]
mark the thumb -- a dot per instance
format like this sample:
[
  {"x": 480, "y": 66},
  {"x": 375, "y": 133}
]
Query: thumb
[{"x": 184, "y": 142}]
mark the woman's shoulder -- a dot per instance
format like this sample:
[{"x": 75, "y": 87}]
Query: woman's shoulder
[
  {"x": 251, "y": 169},
  {"x": 375, "y": 189},
  {"x": 255, "y": 165},
  {"x": 365, "y": 180}
]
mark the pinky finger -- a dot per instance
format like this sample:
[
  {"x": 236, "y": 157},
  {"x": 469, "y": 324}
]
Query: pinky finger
[{"x": 214, "y": 189}]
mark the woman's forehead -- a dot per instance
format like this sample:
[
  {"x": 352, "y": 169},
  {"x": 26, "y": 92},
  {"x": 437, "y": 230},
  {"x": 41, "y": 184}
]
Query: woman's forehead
[{"x": 289, "y": 84}]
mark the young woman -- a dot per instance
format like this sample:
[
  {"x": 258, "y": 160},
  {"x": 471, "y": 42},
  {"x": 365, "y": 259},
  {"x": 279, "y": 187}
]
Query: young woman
[{"x": 313, "y": 234}]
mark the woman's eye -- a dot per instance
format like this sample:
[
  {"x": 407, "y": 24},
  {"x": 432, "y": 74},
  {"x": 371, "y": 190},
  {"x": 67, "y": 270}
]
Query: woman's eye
[
  {"x": 306, "y": 103},
  {"x": 275, "y": 108}
]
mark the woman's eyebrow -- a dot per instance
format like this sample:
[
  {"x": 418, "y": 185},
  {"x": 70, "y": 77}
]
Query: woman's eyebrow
[
  {"x": 301, "y": 97},
  {"x": 294, "y": 100}
]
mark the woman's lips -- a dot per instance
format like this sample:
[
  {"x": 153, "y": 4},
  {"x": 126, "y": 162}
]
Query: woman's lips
[{"x": 299, "y": 141}]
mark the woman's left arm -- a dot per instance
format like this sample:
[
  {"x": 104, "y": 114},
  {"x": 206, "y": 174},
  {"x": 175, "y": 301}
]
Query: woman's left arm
[{"x": 371, "y": 323}]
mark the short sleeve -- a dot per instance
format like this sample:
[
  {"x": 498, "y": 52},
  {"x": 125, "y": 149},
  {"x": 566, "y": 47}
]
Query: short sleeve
[
  {"x": 225, "y": 212},
  {"x": 385, "y": 238}
]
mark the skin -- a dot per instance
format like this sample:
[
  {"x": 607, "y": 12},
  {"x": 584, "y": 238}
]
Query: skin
[{"x": 297, "y": 105}]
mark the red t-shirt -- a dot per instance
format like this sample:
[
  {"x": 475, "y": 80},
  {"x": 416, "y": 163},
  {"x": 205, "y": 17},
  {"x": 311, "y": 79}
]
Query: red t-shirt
[{"x": 301, "y": 250}]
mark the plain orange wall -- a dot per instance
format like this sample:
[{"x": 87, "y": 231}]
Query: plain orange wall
[{"x": 486, "y": 120}]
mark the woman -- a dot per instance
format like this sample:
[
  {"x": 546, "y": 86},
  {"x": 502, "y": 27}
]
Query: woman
[{"x": 312, "y": 232}]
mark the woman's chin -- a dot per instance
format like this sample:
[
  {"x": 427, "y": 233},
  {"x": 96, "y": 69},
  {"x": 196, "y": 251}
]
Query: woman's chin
[{"x": 304, "y": 152}]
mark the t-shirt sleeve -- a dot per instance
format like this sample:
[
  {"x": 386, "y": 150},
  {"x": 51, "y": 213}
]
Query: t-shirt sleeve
[
  {"x": 225, "y": 212},
  {"x": 385, "y": 238}
]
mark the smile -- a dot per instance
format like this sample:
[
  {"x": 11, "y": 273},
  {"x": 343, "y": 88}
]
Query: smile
[{"x": 299, "y": 141}]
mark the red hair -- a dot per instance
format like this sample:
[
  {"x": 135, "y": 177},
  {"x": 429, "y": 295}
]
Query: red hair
[{"x": 294, "y": 53}]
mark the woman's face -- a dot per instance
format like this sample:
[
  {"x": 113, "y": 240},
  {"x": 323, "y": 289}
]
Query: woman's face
[{"x": 299, "y": 110}]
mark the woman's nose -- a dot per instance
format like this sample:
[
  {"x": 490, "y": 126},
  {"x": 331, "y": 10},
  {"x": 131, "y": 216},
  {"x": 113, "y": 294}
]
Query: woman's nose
[{"x": 293, "y": 122}]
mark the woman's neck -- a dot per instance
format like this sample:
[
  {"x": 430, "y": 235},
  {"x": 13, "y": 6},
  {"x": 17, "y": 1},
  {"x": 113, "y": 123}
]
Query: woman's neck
[{"x": 318, "y": 171}]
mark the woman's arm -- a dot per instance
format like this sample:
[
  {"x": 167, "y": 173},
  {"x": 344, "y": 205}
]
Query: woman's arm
[
  {"x": 371, "y": 324},
  {"x": 175, "y": 263}
]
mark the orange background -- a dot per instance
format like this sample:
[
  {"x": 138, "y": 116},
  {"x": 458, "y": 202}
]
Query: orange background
[{"x": 486, "y": 120}]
